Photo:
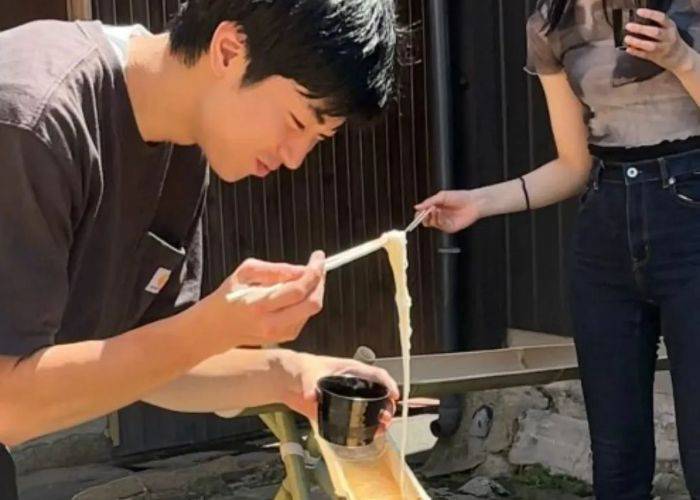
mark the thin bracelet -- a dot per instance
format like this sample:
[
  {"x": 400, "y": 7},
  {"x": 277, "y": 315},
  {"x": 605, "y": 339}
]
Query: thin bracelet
[{"x": 527, "y": 195}]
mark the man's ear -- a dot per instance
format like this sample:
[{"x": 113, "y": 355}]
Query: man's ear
[{"x": 228, "y": 48}]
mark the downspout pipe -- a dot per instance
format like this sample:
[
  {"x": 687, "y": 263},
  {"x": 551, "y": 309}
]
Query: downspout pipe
[{"x": 441, "y": 104}]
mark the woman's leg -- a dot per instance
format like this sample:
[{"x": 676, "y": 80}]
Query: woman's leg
[
  {"x": 674, "y": 278},
  {"x": 616, "y": 336},
  {"x": 681, "y": 329},
  {"x": 616, "y": 341}
]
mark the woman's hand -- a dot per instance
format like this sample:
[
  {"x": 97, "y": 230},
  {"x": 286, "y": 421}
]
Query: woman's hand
[
  {"x": 452, "y": 210},
  {"x": 659, "y": 42}
]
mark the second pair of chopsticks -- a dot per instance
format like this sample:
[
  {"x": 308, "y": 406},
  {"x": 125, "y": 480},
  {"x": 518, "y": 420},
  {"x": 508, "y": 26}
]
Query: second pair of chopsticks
[{"x": 332, "y": 262}]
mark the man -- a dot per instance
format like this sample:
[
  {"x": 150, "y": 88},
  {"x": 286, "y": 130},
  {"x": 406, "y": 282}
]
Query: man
[{"x": 102, "y": 180}]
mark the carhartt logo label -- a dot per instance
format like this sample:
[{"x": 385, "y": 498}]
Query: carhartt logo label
[{"x": 158, "y": 281}]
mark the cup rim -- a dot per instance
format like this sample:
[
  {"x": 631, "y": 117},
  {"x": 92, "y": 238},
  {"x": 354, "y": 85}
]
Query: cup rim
[{"x": 352, "y": 398}]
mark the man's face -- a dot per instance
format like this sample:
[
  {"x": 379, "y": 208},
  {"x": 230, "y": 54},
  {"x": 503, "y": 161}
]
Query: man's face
[{"x": 256, "y": 129}]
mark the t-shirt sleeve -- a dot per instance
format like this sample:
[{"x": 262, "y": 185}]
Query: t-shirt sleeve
[
  {"x": 541, "y": 57},
  {"x": 35, "y": 240}
]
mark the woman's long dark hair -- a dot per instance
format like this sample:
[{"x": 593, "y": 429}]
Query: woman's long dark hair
[{"x": 557, "y": 9}]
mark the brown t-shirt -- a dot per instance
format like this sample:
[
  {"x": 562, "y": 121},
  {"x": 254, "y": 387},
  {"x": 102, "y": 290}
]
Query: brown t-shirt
[
  {"x": 99, "y": 230},
  {"x": 629, "y": 102}
]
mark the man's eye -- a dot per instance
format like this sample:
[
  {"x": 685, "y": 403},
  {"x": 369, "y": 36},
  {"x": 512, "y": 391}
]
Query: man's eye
[{"x": 298, "y": 124}]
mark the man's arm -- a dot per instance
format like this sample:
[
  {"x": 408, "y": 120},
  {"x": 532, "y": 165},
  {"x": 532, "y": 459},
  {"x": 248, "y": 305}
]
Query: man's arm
[
  {"x": 61, "y": 386},
  {"x": 64, "y": 385},
  {"x": 235, "y": 379},
  {"x": 246, "y": 378}
]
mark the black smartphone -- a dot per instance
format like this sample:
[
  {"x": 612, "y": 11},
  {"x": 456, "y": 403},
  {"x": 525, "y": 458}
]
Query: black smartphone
[
  {"x": 644, "y": 4},
  {"x": 620, "y": 18}
]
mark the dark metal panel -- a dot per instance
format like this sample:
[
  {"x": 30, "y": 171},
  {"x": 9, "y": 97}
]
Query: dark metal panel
[
  {"x": 479, "y": 143},
  {"x": 145, "y": 428},
  {"x": 13, "y": 13},
  {"x": 153, "y": 14},
  {"x": 537, "y": 242},
  {"x": 516, "y": 159},
  {"x": 550, "y": 235},
  {"x": 513, "y": 269}
]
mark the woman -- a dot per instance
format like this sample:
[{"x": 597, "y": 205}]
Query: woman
[{"x": 626, "y": 122}]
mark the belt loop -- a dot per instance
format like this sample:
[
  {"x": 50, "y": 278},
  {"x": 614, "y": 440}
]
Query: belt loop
[
  {"x": 666, "y": 180},
  {"x": 597, "y": 171}
]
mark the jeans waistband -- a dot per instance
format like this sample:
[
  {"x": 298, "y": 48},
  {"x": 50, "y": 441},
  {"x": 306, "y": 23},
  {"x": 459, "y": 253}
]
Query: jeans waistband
[{"x": 665, "y": 169}]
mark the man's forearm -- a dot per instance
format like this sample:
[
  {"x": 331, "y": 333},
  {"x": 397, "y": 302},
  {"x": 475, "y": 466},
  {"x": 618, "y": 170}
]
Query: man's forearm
[
  {"x": 64, "y": 385},
  {"x": 236, "y": 379}
]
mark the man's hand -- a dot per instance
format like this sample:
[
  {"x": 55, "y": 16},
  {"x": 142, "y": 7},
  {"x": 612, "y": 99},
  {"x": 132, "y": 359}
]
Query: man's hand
[
  {"x": 305, "y": 370},
  {"x": 273, "y": 318}
]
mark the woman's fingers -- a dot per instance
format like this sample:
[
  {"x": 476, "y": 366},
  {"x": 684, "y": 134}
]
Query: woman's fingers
[{"x": 653, "y": 32}]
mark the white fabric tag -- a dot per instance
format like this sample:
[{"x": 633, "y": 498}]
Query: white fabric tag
[{"x": 158, "y": 281}]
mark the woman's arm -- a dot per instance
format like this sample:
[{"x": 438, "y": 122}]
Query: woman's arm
[
  {"x": 689, "y": 75},
  {"x": 562, "y": 177},
  {"x": 552, "y": 182}
]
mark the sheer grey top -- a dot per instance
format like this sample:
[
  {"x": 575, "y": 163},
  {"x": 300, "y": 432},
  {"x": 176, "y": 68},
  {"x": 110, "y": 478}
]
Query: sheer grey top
[{"x": 628, "y": 101}]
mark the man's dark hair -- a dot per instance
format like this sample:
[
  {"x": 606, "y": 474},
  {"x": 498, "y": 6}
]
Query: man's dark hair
[{"x": 342, "y": 51}]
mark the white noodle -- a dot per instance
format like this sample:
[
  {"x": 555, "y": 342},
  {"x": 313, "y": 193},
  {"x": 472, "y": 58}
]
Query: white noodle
[{"x": 396, "y": 249}]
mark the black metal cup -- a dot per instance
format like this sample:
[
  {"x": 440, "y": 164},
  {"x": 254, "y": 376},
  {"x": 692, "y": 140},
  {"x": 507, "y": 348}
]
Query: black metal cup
[{"x": 349, "y": 409}]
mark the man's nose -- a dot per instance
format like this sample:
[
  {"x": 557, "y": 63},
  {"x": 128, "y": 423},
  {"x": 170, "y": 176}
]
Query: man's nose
[{"x": 294, "y": 151}]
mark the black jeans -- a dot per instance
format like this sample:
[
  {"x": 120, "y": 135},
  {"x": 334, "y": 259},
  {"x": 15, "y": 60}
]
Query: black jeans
[
  {"x": 8, "y": 489},
  {"x": 635, "y": 275}
]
